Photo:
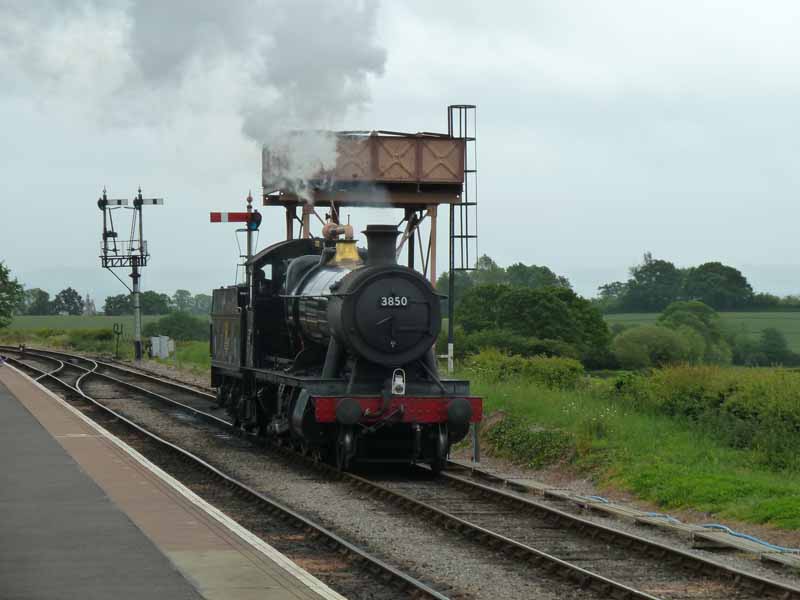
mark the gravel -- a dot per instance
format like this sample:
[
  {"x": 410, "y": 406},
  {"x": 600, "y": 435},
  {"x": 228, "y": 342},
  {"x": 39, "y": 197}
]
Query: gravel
[
  {"x": 733, "y": 559},
  {"x": 557, "y": 478},
  {"x": 447, "y": 562},
  {"x": 616, "y": 561}
]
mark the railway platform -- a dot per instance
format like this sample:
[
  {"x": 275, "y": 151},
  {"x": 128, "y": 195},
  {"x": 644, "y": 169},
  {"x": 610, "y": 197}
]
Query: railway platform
[{"x": 84, "y": 516}]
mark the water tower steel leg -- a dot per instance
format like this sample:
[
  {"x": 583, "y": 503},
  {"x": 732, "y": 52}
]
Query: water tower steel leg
[
  {"x": 410, "y": 241},
  {"x": 307, "y": 221},
  {"x": 291, "y": 213},
  {"x": 432, "y": 243}
]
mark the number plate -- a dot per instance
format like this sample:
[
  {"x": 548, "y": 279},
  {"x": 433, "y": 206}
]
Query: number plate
[{"x": 393, "y": 301}]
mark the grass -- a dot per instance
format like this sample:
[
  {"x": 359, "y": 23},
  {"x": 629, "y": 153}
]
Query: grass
[
  {"x": 751, "y": 323},
  {"x": 659, "y": 458},
  {"x": 663, "y": 459},
  {"x": 26, "y": 322},
  {"x": 193, "y": 356},
  {"x": 83, "y": 334}
]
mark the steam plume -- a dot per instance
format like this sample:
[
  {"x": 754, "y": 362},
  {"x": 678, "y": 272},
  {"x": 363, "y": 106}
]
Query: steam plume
[{"x": 280, "y": 65}]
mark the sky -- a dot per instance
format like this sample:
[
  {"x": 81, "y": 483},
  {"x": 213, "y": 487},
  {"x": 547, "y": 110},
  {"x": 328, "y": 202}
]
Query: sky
[{"x": 605, "y": 130}]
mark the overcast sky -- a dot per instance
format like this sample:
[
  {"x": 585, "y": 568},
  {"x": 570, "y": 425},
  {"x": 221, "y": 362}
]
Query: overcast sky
[{"x": 605, "y": 129}]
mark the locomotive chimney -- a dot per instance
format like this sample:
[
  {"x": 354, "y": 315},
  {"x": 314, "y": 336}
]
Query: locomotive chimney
[{"x": 381, "y": 241}]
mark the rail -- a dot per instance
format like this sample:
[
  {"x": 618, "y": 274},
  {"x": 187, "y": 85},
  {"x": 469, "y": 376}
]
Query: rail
[{"x": 568, "y": 571}]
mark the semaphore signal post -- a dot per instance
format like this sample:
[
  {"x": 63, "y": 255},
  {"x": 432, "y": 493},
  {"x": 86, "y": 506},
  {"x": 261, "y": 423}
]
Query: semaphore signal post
[
  {"x": 131, "y": 253},
  {"x": 252, "y": 220}
]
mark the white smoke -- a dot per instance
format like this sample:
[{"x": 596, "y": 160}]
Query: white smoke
[
  {"x": 295, "y": 160},
  {"x": 279, "y": 65}
]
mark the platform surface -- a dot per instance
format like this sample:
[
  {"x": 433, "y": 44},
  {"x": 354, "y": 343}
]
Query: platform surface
[
  {"x": 60, "y": 535},
  {"x": 82, "y": 518}
]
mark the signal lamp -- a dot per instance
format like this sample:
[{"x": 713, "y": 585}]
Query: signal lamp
[{"x": 254, "y": 221}]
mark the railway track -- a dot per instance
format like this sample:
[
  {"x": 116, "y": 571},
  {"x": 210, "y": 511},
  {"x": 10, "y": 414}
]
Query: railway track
[
  {"x": 595, "y": 558},
  {"x": 344, "y": 566}
]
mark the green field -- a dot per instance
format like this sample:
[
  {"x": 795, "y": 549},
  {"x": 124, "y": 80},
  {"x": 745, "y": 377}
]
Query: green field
[
  {"x": 26, "y": 323},
  {"x": 79, "y": 333},
  {"x": 752, "y": 323}
]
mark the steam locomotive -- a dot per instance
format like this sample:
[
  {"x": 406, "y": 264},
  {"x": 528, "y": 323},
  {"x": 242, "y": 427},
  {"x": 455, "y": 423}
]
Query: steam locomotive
[{"x": 330, "y": 347}]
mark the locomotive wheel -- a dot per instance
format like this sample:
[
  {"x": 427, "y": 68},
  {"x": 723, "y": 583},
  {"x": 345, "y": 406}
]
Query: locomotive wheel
[
  {"x": 345, "y": 448},
  {"x": 441, "y": 450},
  {"x": 232, "y": 404},
  {"x": 222, "y": 395}
]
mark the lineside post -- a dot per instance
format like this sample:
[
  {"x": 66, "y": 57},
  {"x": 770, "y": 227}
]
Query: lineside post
[
  {"x": 248, "y": 270},
  {"x": 451, "y": 291},
  {"x": 137, "y": 311},
  {"x": 476, "y": 443}
]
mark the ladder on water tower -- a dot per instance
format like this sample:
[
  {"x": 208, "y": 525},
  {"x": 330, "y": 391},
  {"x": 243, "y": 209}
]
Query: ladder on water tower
[{"x": 461, "y": 123}]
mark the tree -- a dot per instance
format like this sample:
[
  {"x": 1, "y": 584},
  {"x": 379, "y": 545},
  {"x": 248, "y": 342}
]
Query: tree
[
  {"x": 201, "y": 304},
  {"x": 183, "y": 300},
  {"x": 763, "y": 300},
  {"x": 538, "y": 313},
  {"x": 153, "y": 303},
  {"x": 37, "y": 302},
  {"x": 68, "y": 301},
  {"x": 11, "y": 295},
  {"x": 594, "y": 330},
  {"x": 534, "y": 276},
  {"x": 551, "y": 313},
  {"x": 653, "y": 285},
  {"x": 461, "y": 283},
  {"x": 719, "y": 286},
  {"x": 611, "y": 296},
  {"x": 487, "y": 272},
  {"x": 695, "y": 315},
  {"x": 179, "y": 326},
  {"x": 480, "y": 307},
  {"x": 702, "y": 320},
  {"x": 649, "y": 346},
  {"x": 774, "y": 347},
  {"x": 118, "y": 305}
]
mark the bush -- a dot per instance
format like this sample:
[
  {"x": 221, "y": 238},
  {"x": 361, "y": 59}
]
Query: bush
[
  {"x": 747, "y": 351},
  {"x": 553, "y": 372},
  {"x": 467, "y": 344},
  {"x": 744, "y": 408},
  {"x": 179, "y": 326},
  {"x": 771, "y": 348},
  {"x": 650, "y": 346},
  {"x": 88, "y": 340},
  {"x": 511, "y": 343},
  {"x": 775, "y": 347},
  {"x": 514, "y": 439}
]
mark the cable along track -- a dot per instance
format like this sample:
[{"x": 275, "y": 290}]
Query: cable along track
[{"x": 594, "y": 557}]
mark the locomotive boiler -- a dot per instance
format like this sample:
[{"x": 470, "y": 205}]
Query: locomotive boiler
[{"x": 330, "y": 347}]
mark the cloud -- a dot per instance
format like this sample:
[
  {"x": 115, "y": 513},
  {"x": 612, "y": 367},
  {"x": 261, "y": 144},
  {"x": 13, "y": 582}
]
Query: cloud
[{"x": 275, "y": 64}]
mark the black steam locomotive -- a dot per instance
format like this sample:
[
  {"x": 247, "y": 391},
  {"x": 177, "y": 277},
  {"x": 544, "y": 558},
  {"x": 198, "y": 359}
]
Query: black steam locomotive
[{"x": 330, "y": 347}]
